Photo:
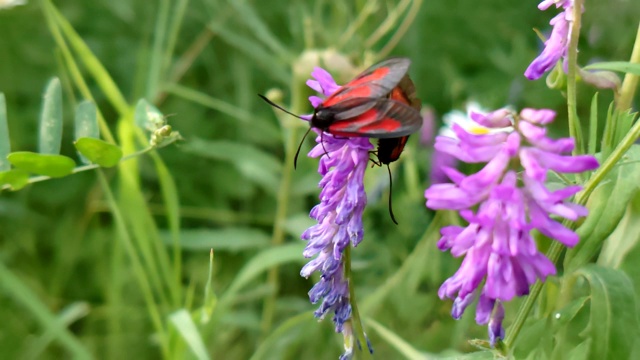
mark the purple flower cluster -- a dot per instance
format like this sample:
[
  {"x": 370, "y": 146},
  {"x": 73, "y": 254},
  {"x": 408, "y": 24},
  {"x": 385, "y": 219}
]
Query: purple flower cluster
[
  {"x": 502, "y": 205},
  {"x": 343, "y": 162},
  {"x": 557, "y": 45}
]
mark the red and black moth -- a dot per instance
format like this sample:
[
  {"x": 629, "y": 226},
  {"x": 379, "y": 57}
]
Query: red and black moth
[
  {"x": 379, "y": 103},
  {"x": 389, "y": 149}
]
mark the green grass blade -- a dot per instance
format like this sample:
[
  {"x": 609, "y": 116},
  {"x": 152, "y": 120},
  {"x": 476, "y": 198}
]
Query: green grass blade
[
  {"x": 23, "y": 295},
  {"x": 260, "y": 30},
  {"x": 72, "y": 66},
  {"x": 210, "y": 298},
  {"x": 157, "y": 58},
  {"x": 621, "y": 66},
  {"x": 172, "y": 206},
  {"x": 5, "y": 144},
  {"x": 262, "y": 262},
  {"x": 174, "y": 29},
  {"x": 593, "y": 125},
  {"x": 138, "y": 269},
  {"x": 272, "y": 65},
  {"x": 183, "y": 322},
  {"x": 50, "y": 137},
  {"x": 210, "y": 102},
  {"x": 88, "y": 58},
  {"x": 67, "y": 316},
  {"x": 395, "y": 341}
]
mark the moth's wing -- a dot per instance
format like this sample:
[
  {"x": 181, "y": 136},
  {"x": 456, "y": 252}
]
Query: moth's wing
[
  {"x": 376, "y": 118},
  {"x": 375, "y": 82}
]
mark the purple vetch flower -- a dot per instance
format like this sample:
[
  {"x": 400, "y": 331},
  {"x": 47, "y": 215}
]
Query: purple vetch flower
[
  {"x": 555, "y": 48},
  {"x": 502, "y": 205},
  {"x": 441, "y": 160},
  {"x": 343, "y": 162}
]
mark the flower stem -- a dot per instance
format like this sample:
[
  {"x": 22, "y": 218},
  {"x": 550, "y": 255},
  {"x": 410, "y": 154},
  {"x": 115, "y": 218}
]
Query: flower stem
[
  {"x": 630, "y": 82},
  {"x": 572, "y": 64},
  {"x": 609, "y": 164},
  {"x": 358, "y": 329},
  {"x": 277, "y": 237}
]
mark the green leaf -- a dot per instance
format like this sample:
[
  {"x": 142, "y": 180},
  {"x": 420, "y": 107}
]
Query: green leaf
[
  {"x": 396, "y": 342},
  {"x": 99, "y": 152},
  {"x": 607, "y": 204},
  {"x": 86, "y": 124},
  {"x": 622, "y": 66},
  {"x": 624, "y": 238},
  {"x": 147, "y": 116},
  {"x": 86, "y": 121},
  {"x": 613, "y": 325},
  {"x": 255, "y": 164},
  {"x": 42, "y": 164},
  {"x": 16, "y": 178},
  {"x": 183, "y": 322},
  {"x": 229, "y": 239},
  {"x": 263, "y": 261},
  {"x": 5, "y": 143},
  {"x": 593, "y": 125},
  {"x": 51, "y": 119}
]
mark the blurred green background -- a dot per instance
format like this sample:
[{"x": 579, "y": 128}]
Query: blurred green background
[{"x": 202, "y": 63}]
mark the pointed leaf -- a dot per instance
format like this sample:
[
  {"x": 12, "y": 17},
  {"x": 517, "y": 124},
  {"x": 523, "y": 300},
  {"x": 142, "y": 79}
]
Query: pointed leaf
[
  {"x": 607, "y": 204},
  {"x": 262, "y": 262},
  {"x": 99, "y": 152},
  {"x": 622, "y": 66},
  {"x": 624, "y": 239},
  {"x": 183, "y": 322},
  {"x": 51, "y": 119},
  {"x": 613, "y": 325},
  {"x": 255, "y": 164},
  {"x": 16, "y": 178},
  {"x": 5, "y": 144},
  {"x": 42, "y": 164}
]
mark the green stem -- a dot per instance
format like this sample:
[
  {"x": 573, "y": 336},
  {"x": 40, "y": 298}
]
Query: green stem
[
  {"x": 556, "y": 248},
  {"x": 138, "y": 269},
  {"x": 356, "y": 321},
  {"x": 80, "y": 169},
  {"x": 630, "y": 82},
  {"x": 277, "y": 238},
  {"x": 572, "y": 64},
  {"x": 609, "y": 164}
]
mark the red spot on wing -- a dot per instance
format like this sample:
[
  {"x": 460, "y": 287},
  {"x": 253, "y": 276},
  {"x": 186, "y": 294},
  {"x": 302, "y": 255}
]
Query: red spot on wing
[
  {"x": 356, "y": 88},
  {"x": 347, "y": 93},
  {"x": 354, "y": 125},
  {"x": 386, "y": 124},
  {"x": 376, "y": 74}
]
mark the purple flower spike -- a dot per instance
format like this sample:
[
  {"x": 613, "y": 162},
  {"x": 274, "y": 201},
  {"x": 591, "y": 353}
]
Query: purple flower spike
[
  {"x": 502, "y": 205},
  {"x": 343, "y": 162},
  {"x": 555, "y": 48}
]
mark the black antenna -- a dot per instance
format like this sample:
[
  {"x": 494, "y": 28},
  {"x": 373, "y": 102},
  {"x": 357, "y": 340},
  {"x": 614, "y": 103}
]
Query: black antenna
[
  {"x": 393, "y": 218},
  {"x": 295, "y": 159},
  {"x": 280, "y": 107}
]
